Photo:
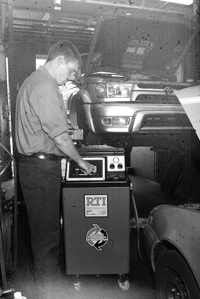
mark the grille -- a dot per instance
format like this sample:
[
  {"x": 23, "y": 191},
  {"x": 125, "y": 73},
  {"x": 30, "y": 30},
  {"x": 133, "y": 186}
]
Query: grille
[
  {"x": 177, "y": 120},
  {"x": 157, "y": 99}
]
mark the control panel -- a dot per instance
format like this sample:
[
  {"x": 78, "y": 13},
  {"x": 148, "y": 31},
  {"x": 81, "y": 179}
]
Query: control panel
[
  {"x": 75, "y": 173},
  {"x": 115, "y": 163},
  {"x": 109, "y": 164}
]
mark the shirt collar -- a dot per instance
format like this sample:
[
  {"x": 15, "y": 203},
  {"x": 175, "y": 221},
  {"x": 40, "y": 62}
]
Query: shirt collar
[{"x": 47, "y": 74}]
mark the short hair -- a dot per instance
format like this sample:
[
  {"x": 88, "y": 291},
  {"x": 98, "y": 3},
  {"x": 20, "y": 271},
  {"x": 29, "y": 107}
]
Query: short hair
[{"x": 65, "y": 48}]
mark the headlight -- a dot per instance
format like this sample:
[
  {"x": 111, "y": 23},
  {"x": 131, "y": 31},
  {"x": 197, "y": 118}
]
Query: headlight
[
  {"x": 112, "y": 90},
  {"x": 100, "y": 90},
  {"x": 120, "y": 90}
]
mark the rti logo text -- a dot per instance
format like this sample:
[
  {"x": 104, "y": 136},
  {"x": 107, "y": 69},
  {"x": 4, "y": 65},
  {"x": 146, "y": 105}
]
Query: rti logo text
[{"x": 96, "y": 200}]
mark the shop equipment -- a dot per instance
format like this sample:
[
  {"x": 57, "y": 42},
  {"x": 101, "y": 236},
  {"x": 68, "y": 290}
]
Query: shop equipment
[{"x": 96, "y": 215}]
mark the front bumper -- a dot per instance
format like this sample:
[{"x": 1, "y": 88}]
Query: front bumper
[{"x": 135, "y": 118}]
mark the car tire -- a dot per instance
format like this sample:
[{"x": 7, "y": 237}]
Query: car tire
[
  {"x": 89, "y": 138},
  {"x": 174, "y": 279},
  {"x": 81, "y": 118}
]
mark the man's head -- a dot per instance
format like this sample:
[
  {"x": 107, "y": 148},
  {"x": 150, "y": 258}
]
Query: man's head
[{"x": 63, "y": 62}]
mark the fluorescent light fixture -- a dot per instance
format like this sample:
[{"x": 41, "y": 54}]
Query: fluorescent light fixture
[
  {"x": 183, "y": 2},
  {"x": 57, "y": 4}
]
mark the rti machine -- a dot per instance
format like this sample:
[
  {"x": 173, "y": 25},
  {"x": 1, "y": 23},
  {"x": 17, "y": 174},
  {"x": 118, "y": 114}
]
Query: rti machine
[{"x": 96, "y": 215}]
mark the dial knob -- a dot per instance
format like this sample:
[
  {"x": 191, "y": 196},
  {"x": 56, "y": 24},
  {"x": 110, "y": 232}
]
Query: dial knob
[{"x": 115, "y": 159}]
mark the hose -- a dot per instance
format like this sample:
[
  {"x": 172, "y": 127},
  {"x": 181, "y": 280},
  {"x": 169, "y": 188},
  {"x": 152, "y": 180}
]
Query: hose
[
  {"x": 139, "y": 246},
  {"x": 9, "y": 237},
  {"x": 3, "y": 169}
]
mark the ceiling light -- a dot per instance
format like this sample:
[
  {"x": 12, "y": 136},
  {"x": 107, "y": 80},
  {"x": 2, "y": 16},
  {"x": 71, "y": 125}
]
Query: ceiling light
[
  {"x": 57, "y": 4},
  {"x": 183, "y": 2}
]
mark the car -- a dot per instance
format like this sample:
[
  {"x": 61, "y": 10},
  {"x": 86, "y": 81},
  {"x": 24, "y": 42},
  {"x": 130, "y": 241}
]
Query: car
[
  {"x": 172, "y": 241},
  {"x": 136, "y": 60},
  {"x": 171, "y": 233}
]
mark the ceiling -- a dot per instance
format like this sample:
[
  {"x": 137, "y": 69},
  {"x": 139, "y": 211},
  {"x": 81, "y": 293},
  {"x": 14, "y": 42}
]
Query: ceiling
[{"x": 38, "y": 21}]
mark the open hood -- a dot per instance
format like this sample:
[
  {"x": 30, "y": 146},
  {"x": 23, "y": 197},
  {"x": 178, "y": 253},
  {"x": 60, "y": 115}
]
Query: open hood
[
  {"x": 146, "y": 46},
  {"x": 190, "y": 100}
]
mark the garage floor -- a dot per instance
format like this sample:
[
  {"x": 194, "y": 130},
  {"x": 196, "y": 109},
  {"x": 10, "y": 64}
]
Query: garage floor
[{"x": 147, "y": 195}]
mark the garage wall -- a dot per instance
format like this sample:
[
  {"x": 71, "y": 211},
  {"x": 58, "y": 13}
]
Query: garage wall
[
  {"x": 21, "y": 59},
  {"x": 143, "y": 160}
]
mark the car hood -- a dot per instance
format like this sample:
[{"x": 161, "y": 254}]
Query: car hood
[
  {"x": 142, "y": 47},
  {"x": 190, "y": 100}
]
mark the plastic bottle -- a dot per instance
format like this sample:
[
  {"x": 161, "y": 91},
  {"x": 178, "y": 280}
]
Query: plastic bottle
[{"x": 18, "y": 295}]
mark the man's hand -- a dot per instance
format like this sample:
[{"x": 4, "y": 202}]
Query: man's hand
[
  {"x": 65, "y": 145},
  {"x": 87, "y": 167}
]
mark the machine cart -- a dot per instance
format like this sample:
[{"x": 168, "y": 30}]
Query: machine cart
[{"x": 96, "y": 215}]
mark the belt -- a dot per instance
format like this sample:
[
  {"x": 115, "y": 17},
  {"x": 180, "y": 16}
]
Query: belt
[{"x": 43, "y": 156}]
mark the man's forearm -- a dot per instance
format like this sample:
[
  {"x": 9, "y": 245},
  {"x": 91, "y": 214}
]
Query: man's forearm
[{"x": 65, "y": 145}]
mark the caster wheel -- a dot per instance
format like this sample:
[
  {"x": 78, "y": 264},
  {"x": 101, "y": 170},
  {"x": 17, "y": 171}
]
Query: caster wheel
[
  {"x": 124, "y": 285},
  {"x": 77, "y": 285}
]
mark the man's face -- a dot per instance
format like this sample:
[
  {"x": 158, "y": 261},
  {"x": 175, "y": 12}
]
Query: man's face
[{"x": 66, "y": 71}]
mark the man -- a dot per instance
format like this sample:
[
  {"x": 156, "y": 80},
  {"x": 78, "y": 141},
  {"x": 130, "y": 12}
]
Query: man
[{"x": 42, "y": 139}]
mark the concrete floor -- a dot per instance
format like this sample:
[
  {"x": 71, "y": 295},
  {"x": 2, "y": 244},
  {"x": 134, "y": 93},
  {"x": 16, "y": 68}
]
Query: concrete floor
[{"x": 147, "y": 195}]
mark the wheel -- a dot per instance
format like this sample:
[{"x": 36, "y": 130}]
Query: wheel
[
  {"x": 81, "y": 118},
  {"x": 123, "y": 283},
  {"x": 77, "y": 283},
  {"x": 124, "y": 286},
  {"x": 174, "y": 279}
]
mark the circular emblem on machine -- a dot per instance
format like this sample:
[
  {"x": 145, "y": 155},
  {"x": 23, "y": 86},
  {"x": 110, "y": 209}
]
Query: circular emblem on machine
[{"x": 97, "y": 237}]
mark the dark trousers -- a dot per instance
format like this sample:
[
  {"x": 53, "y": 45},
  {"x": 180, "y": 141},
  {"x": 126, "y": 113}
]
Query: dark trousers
[{"x": 41, "y": 182}]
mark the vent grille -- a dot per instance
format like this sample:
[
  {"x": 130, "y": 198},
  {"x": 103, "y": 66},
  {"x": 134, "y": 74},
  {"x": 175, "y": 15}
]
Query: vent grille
[
  {"x": 157, "y": 99},
  {"x": 176, "y": 120}
]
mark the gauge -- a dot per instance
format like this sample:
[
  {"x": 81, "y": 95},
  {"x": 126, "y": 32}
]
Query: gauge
[{"x": 115, "y": 159}]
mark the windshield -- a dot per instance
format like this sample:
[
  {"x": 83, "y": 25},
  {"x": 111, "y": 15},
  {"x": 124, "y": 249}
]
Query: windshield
[{"x": 140, "y": 46}]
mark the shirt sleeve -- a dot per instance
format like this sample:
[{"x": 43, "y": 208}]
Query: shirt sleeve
[{"x": 47, "y": 104}]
